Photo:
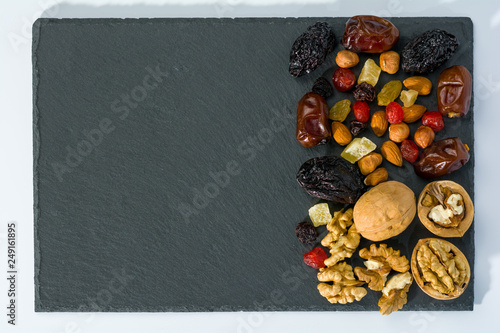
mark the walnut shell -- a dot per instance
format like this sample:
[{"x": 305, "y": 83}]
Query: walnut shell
[
  {"x": 427, "y": 287},
  {"x": 435, "y": 228},
  {"x": 385, "y": 211}
]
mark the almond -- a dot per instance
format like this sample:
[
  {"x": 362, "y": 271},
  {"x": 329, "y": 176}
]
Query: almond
[
  {"x": 341, "y": 133},
  {"x": 369, "y": 163},
  {"x": 391, "y": 153},
  {"x": 376, "y": 177},
  {"x": 379, "y": 123},
  {"x": 413, "y": 113},
  {"x": 419, "y": 83}
]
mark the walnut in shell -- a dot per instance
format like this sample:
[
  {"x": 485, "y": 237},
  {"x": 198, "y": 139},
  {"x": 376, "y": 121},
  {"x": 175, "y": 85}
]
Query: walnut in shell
[
  {"x": 384, "y": 211},
  {"x": 440, "y": 269},
  {"x": 445, "y": 209}
]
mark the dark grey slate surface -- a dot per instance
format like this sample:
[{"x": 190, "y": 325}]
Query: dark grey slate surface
[{"x": 165, "y": 162}]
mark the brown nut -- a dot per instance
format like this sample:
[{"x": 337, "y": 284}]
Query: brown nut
[
  {"x": 367, "y": 164},
  {"x": 424, "y": 136},
  {"x": 379, "y": 123},
  {"x": 413, "y": 113},
  {"x": 346, "y": 59},
  {"x": 419, "y": 83},
  {"x": 391, "y": 153},
  {"x": 389, "y": 62},
  {"x": 341, "y": 133},
  {"x": 440, "y": 269},
  {"x": 376, "y": 177},
  {"x": 384, "y": 211},
  {"x": 399, "y": 132},
  {"x": 438, "y": 193}
]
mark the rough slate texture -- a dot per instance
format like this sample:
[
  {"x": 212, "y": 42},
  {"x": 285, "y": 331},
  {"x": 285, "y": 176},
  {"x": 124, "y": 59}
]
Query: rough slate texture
[{"x": 121, "y": 156}]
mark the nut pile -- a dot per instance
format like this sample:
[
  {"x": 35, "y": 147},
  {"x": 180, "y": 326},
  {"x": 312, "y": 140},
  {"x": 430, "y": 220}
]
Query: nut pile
[{"x": 409, "y": 134}]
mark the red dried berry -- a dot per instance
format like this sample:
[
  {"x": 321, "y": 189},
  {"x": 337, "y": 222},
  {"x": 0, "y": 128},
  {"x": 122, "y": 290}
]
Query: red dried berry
[
  {"x": 434, "y": 120},
  {"x": 315, "y": 258},
  {"x": 343, "y": 79},
  {"x": 394, "y": 113},
  {"x": 409, "y": 150},
  {"x": 362, "y": 111}
]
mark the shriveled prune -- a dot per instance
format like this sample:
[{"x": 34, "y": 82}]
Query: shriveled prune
[
  {"x": 322, "y": 87},
  {"x": 441, "y": 158},
  {"x": 364, "y": 92},
  {"x": 368, "y": 33},
  {"x": 331, "y": 178},
  {"x": 306, "y": 232},
  {"x": 313, "y": 127},
  {"x": 311, "y": 48},
  {"x": 426, "y": 52}
]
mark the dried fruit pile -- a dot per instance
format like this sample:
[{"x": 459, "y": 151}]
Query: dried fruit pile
[{"x": 359, "y": 176}]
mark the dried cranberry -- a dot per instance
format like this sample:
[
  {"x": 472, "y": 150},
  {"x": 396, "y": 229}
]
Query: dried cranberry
[
  {"x": 364, "y": 92},
  {"x": 409, "y": 150},
  {"x": 434, "y": 120},
  {"x": 362, "y": 111},
  {"x": 394, "y": 113},
  {"x": 343, "y": 79},
  {"x": 357, "y": 127},
  {"x": 306, "y": 232},
  {"x": 315, "y": 258}
]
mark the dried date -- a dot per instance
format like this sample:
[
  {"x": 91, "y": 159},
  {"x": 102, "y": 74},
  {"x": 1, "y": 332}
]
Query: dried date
[
  {"x": 311, "y": 48},
  {"x": 313, "y": 127},
  {"x": 454, "y": 90},
  {"x": 426, "y": 52},
  {"x": 331, "y": 178},
  {"x": 371, "y": 34},
  {"x": 441, "y": 158}
]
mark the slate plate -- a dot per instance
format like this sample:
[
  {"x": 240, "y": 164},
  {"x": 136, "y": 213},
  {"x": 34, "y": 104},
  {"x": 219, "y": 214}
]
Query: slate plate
[{"x": 165, "y": 161}]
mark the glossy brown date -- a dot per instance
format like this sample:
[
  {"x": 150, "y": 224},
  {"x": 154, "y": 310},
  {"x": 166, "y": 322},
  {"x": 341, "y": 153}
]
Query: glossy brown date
[
  {"x": 441, "y": 158},
  {"x": 312, "y": 120},
  {"x": 454, "y": 89},
  {"x": 371, "y": 34}
]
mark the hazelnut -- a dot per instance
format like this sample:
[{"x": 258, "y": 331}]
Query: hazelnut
[
  {"x": 341, "y": 133},
  {"x": 368, "y": 163},
  {"x": 424, "y": 136},
  {"x": 389, "y": 62},
  {"x": 399, "y": 132},
  {"x": 413, "y": 113},
  {"x": 391, "y": 153},
  {"x": 379, "y": 123},
  {"x": 346, "y": 59}
]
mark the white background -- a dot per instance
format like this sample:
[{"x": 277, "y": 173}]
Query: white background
[{"x": 16, "y": 169}]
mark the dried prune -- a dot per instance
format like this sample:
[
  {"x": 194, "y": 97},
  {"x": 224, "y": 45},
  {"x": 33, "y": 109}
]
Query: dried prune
[
  {"x": 357, "y": 127},
  {"x": 368, "y": 33},
  {"x": 364, "y": 92},
  {"x": 441, "y": 158},
  {"x": 306, "y": 232},
  {"x": 331, "y": 178},
  {"x": 313, "y": 127},
  {"x": 454, "y": 89},
  {"x": 429, "y": 50},
  {"x": 322, "y": 87},
  {"x": 311, "y": 48}
]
